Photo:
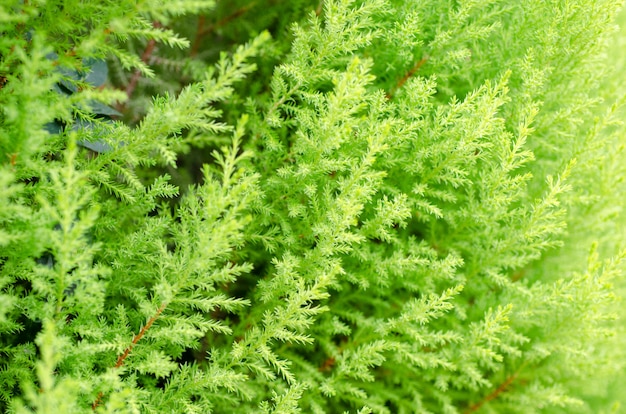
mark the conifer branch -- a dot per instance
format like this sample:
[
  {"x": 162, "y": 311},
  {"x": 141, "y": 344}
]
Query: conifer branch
[{"x": 362, "y": 251}]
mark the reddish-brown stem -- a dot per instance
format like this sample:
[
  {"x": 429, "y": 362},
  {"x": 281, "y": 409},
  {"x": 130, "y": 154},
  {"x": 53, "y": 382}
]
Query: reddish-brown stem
[
  {"x": 12, "y": 159},
  {"x": 407, "y": 76},
  {"x": 229, "y": 18},
  {"x": 501, "y": 388},
  {"x": 196, "y": 41},
  {"x": 145, "y": 56},
  {"x": 517, "y": 276},
  {"x": 327, "y": 365},
  {"x": 205, "y": 30},
  {"x": 320, "y": 7},
  {"x": 127, "y": 351},
  {"x": 120, "y": 360}
]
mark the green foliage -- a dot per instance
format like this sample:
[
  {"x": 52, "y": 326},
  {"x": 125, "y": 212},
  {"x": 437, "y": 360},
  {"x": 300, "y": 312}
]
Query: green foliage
[{"x": 349, "y": 206}]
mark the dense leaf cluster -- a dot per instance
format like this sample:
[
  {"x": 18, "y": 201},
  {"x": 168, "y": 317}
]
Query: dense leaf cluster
[{"x": 370, "y": 206}]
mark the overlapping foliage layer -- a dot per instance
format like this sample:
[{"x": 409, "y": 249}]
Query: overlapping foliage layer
[{"x": 382, "y": 206}]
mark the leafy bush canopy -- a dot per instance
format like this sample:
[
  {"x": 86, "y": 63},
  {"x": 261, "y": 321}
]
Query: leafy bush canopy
[{"x": 373, "y": 206}]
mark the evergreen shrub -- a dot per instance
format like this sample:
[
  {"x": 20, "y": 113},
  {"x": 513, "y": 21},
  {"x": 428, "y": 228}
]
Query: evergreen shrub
[{"x": 344, "y": 206}]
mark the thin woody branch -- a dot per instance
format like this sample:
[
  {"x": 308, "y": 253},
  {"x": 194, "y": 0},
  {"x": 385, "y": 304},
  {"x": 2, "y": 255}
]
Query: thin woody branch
[
  {"x": 203, "y": 31},
  {"x": 411, "y": 72},
  {"x": 196, "y": 41},
  {"x": 145, "y": 57},
  {"x": 127, "y": 351},
  {"x": 501, "y": 388},
  {"x": 319, "y": 8}
]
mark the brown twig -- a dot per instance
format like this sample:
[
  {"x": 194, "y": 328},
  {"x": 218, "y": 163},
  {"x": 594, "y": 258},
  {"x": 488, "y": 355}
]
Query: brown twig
[
  {"x": 501, "y": 388},
  {"x": 228, "y": 18},
  {"x": 319, "y": 8},
  {"x": 518, "y": 275},
  {"x": 127, "y": 351},
  {"x": 327, "y": 365},
  {"x": 203, "y": 31},
  {"x": 145, "y": 56},
  {"x": 12, "y": 159},
  {"x": 196, "y": 41},
  {"x": 407, "y": 76}
]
